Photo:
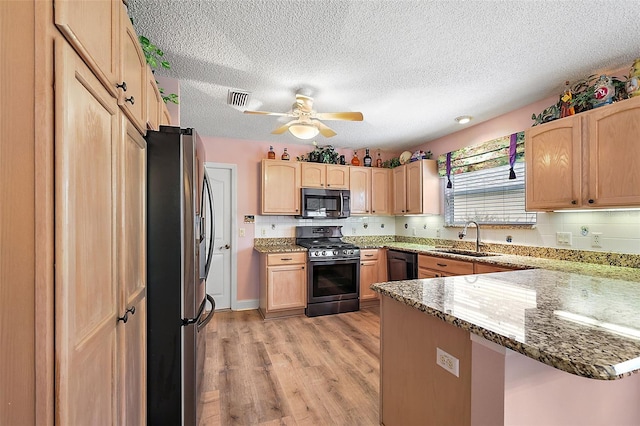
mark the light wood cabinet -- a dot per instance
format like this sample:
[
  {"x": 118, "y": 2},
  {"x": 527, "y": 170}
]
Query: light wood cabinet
[
  {"x": 369, "y": 274},
  {"x": 380, "y": 194},
  {"x": 132, "y": 261},
  {"x": 434, "y": 266},
  {"x": 154, "y": 103},
  {"x": 360, "y": 178},
  {"x": 133, "y": 72},
  {"x": 280, "y": 193},
  {"x": 553, "y": 164},
  {"x": 326, "y": 176},
  {"x": 416, "y": 188},
  {"x": 93, "y": 29},
  {"x": 165, "y": 116},
  {"x": 484, "y": 268},
  {"x": 86, "y": 288},
  {"x": 585, "y": 161},
  {"x": 283, "y": 284}
]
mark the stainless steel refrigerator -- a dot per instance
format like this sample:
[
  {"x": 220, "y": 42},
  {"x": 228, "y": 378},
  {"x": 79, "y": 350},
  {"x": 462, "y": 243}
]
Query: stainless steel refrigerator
[{"x": 177, "y": 267}]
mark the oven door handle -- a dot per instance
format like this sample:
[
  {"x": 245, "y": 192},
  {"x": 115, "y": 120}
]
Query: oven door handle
[{"x": 341, "y": 204}]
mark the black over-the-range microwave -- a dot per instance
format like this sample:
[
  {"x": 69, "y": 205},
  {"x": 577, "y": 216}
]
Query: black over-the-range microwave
[{"x": 325, "y": 203}]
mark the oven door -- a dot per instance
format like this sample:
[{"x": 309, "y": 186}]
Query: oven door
[{"x": 331, "y": 280}]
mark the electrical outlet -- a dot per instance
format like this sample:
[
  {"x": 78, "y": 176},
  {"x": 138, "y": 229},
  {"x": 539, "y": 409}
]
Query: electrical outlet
[
  {"x": 353, "y": 230},
  {"x": 437, "y": 233},
  {"x": 563, "y": 238},
  {"x": 596, "y": 239},
  {"x": 448, "y": 362},
  {"x": 264, "y": 232},
  {"x": 413, "y": 231},
  {"x": 242, "y": 232}
]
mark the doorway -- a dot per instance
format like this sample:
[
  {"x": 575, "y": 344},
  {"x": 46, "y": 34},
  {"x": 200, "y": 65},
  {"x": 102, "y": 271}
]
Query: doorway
[{"x": 222, "y": 279}]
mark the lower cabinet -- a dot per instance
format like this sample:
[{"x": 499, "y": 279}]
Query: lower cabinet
[
  {"x": 373, "y": 269},
  {"x": 434, "y": 266},
  {"x": 283, "y": 284}
]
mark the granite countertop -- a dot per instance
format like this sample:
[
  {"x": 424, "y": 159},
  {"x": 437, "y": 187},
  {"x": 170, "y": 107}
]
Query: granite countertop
[
  {"x": 282, "y": 248},
  {"x": 584, "y": 325}
]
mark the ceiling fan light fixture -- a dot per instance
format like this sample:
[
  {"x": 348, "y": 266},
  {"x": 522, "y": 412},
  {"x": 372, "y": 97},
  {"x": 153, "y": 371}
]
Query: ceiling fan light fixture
[
  {"x": 463, "y": 119},
  {"x": 303, "y": 131}
]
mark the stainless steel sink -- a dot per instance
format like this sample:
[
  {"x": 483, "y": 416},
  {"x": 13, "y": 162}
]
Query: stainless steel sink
[{"x": 465, "y": 252}]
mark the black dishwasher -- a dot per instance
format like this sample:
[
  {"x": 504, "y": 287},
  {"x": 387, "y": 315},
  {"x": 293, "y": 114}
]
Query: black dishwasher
[{"x": 402, "y": 265}]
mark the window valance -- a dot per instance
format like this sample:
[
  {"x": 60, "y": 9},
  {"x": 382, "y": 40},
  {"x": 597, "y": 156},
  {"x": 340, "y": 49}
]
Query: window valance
[{"x": 497, "y": 152}]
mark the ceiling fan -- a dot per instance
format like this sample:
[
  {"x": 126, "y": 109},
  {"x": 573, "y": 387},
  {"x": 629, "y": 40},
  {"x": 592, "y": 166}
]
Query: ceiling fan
[{"x": 306, "y": 121}]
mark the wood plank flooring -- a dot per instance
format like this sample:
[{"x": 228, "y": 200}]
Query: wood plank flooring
[{"x": 292, "y": 371}]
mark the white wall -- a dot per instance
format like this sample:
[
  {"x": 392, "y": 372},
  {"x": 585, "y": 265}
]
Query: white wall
[
  {"x": 620, "y": 230},
  {"x": 284, "y": 226}
]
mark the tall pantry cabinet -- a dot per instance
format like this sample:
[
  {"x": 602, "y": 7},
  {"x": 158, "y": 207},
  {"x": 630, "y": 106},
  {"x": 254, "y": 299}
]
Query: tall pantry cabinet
[{"x": 73, "y": 182}]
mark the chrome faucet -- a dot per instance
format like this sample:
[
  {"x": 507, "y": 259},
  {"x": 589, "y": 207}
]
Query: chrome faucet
[{"x": 463, "y": 233}]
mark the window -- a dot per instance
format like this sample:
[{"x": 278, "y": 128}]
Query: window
[{"x": 487, "y": 197}]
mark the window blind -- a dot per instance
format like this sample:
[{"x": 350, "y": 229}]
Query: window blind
[{"x": 487, "y": 197}]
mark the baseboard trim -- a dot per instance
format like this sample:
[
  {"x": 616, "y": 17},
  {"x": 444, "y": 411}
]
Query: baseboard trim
[{"x": 245, "y": 305}]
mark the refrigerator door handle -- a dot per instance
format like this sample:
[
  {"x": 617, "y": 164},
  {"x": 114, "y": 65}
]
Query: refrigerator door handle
[
  {"x": 189, "y": 321},
  {"x": 205, "y": 321},
  {"x": 212, "y": 222}
]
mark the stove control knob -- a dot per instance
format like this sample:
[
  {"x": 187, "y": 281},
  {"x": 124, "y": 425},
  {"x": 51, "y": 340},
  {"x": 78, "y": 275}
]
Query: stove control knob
[
  {"x": 335, "y": 252},
  {"x": 324, "y": 253}
]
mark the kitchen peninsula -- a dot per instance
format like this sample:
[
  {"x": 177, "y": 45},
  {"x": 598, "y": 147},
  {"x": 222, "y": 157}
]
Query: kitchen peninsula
[{"x": 524, "y": 347}]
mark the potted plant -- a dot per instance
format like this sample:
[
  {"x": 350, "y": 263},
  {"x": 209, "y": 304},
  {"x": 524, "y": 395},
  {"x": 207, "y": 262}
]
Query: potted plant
[{"x": 155, "y": 58}]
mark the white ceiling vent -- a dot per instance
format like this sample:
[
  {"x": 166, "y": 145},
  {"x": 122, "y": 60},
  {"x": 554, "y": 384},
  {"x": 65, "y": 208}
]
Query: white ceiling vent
[{"x": 238, "y": 99}]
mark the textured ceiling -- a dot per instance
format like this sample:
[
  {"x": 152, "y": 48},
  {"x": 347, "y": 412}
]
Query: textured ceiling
[{"x": 410, "y": 67}]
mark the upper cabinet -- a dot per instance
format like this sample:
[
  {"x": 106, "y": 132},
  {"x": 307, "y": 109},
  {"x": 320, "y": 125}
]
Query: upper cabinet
[
  {"x": 360, "y": 178},
  {"x": 102, "y": 34},
  {"x": 280, "y": 187},
  {"x": 133, "y": 73},
  {"x": 553, "y": 164},
  {"x": 416, "y": 188},
  {"x": 93, "y": 29},
  {"x": 380, "y": 198},
  {"x": 369, "y": 191},
  {"x": 154, "y": 102},
  {"x": 585, "y": 161},
  {"x": 326, "y": 176}
]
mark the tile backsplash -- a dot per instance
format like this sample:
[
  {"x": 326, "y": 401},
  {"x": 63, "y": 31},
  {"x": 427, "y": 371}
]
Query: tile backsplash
[{"x": 619, "y": 230}]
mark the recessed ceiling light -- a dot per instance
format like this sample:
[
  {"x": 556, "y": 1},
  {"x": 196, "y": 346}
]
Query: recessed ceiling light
[{"x": 463, "y": 119}]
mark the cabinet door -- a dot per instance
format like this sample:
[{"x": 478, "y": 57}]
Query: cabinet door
[
  {"x": 280, "y": 187},
  {"x": 286, "y": 287},
  {"x": 132, "y": 275},
  {"x": 614, "y": 155},
  {"x": 337, "y": 177},
  {"x": 368, "y": 276},
  {"x": 154, "y": 102},
  {"x": 360, "y": 181},
  {"x": 399, "y": 190},
  {"x": 165, "y": 116},
  {"x": 414, "y": 187},
  {"x": 380, "y": 191},
  {"x": 313, "y": 175},
  {"x": 133, "y": 72},
  {"x": 86, "y": 305},
  {"x": 429, "y": 273},
  {"x": 92, "y": 28},
  {"x": 483, "y": 268},
  {"x": 553, "y": 165}
]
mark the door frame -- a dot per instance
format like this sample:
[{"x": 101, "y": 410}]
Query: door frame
[{"x": 233, "y": 168}]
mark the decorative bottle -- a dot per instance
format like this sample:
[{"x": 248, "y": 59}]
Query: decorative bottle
[
  {"x": 285, "y": 155},
  {"x": 367, "y": 158},
  {"x": 271, "y": 155},
  {"x": 379, "y": 160},
  {"x": 355, "y": 161}
]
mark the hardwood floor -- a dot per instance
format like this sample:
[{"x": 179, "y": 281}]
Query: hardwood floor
[{"x": 293, "y": 371}]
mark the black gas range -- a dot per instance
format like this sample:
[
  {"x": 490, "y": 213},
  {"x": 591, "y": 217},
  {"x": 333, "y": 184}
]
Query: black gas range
[{"x": 333, "y": 277}]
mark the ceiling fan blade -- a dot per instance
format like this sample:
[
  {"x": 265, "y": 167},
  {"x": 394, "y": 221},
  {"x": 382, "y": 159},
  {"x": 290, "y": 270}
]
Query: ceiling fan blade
[
  {"x": 281, "y": 114},
  {"x": 280, "y": 130},
  {"x": 349, "y": 116},
  {"x": 325, "y": 130}
]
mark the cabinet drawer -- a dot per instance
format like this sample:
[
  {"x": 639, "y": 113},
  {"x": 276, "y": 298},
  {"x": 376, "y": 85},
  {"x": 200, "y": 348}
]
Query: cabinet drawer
[
  {"x": 286, "y": 258},
  {"x": 368, "y": 254},
  {"x": 450, "y": 266},
  {"x": 483, "y": 268}
]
